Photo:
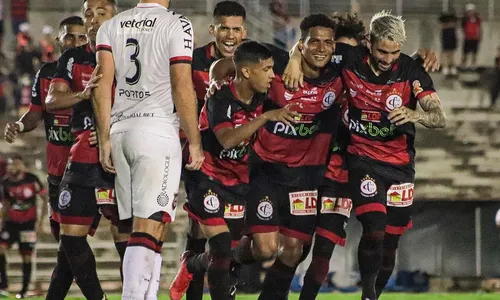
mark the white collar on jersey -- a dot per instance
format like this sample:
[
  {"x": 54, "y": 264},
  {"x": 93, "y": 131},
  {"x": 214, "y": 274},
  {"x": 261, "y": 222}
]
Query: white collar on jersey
[{"x": 147, "y": 5}]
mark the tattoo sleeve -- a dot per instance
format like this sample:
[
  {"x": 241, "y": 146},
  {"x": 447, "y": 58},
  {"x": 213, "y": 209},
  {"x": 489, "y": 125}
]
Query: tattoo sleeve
[{"x": 433, "y": 115}]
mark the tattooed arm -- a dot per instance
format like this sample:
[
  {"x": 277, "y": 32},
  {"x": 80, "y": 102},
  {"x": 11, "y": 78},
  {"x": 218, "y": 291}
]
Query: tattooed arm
[{"x": 433, "y": 115}]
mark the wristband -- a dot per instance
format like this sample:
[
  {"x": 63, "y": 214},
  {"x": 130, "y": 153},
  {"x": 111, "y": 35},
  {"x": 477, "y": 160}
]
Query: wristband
[{"x": 21, "y": 126}]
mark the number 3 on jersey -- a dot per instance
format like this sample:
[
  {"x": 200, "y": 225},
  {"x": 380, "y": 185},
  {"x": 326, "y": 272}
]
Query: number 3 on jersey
[{"x": 133, "y": 58}]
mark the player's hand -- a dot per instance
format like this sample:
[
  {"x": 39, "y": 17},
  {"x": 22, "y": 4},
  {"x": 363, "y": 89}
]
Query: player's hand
[
  {"x": 284, "y": 115},
  {"x": 214, "y": 86},
  {"x": 293, "y": 76},
  {"x": 431, "y": 60},
  {"x": 93, "y": 137},
  {"x": 11, "y": 132},
  {"x": 196, "y": 157},
  {"x": 403, "y": 115},
  {"x": 105, "y": 156},
  {"x": 91, "y": 84}
]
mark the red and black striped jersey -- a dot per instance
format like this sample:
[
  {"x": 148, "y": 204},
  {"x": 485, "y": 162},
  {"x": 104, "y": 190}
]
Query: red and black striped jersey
[
  {"x": 57, "y": 124},
  {"x": 372, "y": 98},
  {"x": 223, "y": 110},
  {"x": 75, "y": 68},
  {"x": 300, "y": 151},
  {"x": 21, "y": 196}
]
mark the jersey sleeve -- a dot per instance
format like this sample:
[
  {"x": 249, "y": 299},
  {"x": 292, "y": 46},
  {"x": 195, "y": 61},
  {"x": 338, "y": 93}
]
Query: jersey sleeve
[
  {"x": 104, "y": 38},
  {"x": 219, "y": 113},
  {"x": 422, "y": 84},
  {"x": 36, "y": 97},
  {"x": 64, "y": 71},
  {"x": 180, "y": 41}
]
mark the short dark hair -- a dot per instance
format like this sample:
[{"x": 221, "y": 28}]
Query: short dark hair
[
  {"x": 349, "y": 26},
  {"x": 316, "y": 20},
  {"x": 251, "y": 52},
  {"x": 229, "y": 9},
  {"x": 112, "y": 2},
  {"x": 73, "y": 20}
]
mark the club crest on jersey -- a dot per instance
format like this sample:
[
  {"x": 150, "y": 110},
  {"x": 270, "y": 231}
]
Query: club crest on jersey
[
  {"x": 393, "y": 101},
  {"x": 368, "y": 186},
  {"x": 288, "y": 96},
  {"x": 328, "y": 99},
  {"x": 211, "y": 202},
  {"x": 265, "y": 209}
]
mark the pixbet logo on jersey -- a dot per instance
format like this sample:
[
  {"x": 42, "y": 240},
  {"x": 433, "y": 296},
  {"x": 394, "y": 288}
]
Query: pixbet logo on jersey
[{"x": 370, "y": 129}]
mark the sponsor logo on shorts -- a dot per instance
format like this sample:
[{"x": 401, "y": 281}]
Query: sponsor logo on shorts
[
  {"x": 64, "y": 198},
  {"x": 105, "y": 196},
  {"x": 368, "y": 186},
  {"x": 163, "y": 198},
  {"x": 265, "y": 209},
  {"x": 211, "y": 202},
  {"x": 328, "y": 99},
  {"x": 333, "y": 205},
  {"x": 400, "y": 195},
  {"x": 233, "y": 211},
  {"x": 303, "y": 203}
]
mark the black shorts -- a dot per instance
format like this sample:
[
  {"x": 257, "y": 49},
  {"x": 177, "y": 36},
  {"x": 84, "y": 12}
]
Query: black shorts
[
  {"x": 53, "y": 184},
  {"x": 471, "y": 46},
  {"x": 334, "y": 209},
  {"x": 449, "y": 40},
  {"x": 213, "y": 204},
  {"x": 22, "y": 233},
  {"x": 190, "y": 179},
  {"x": 77, "y": 205},
  {"x": 273, "y": 207},
  {"x": 371, "y": 192}
]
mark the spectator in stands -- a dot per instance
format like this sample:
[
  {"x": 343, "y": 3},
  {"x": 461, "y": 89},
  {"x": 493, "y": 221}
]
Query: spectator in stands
[
  {"x": 495, "y": 87},
  {"x": 448, "y": 22},
  {"x": 471, "y": 25},
  {"x": 284, "y": 33},
  {"x": 47, "y": 45},
  {"x": 18, "y": 13}
]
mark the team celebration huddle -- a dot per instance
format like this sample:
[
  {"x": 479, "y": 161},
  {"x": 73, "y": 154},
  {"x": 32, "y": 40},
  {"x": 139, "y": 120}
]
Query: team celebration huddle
[{"x": 275, "y": 148}]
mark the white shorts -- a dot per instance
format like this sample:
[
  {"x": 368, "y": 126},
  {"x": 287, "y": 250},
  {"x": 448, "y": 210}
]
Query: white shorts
[{"x": 148, "y": 172}]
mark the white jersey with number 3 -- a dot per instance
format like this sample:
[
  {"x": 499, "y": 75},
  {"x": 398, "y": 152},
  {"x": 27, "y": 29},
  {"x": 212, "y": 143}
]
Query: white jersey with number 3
[{"x": 145, "y": 41}]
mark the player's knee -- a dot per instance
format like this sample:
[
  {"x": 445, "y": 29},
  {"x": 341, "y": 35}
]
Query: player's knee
[
  {"x": 373, "y": 221},
  {"x": 74, "y": 230},
  {"x": 292, "y": 252},
  {"x": 195, "y": 230},
  {"x": 220, "y": 246},
  {"x": 152, "y": 227},
  {"x": 265, "y": 250},
  {"x": 391, "y": 242},
  {"x": 26, "y": 257}
]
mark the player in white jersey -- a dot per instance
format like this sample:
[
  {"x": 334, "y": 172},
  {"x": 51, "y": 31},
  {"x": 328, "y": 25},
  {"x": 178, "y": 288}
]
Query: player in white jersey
[{"x": 147, "y": 50}]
